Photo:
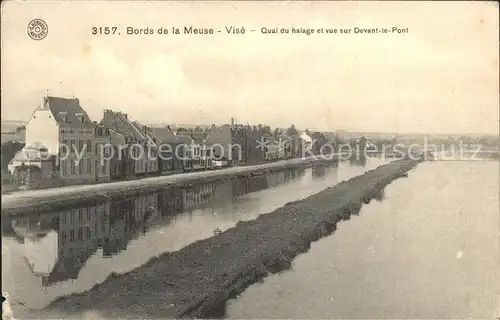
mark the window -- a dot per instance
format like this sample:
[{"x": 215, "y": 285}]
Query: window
[
  {"x": 87, "y": 232},
  {"x": 89, "y": 166},
  {"x": 80, "y": 166},
  {"x": 72, "y": 145},
  {"x": 80, "y": 214},
  {"x": 89, "y": 146},
  {"x": 80, "y": 234},
  {"x": 80, "y": 146},
  {"x": 73, "y": 166},
  {"x": 97, "y": 148},
  {"x": 62, "y": 167},
  {"x": 64, "y": 218},
  {"x": 88, "y": 213},
  {"x": 72, "y": 235},
  {"x": 64, "y": 147},
  {"x": 103, "y": 167},
  {"x": 63, "y": 236}
]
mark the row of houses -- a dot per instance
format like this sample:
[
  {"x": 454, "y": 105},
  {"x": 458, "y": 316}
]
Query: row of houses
[{"x": 64, "y": 146}]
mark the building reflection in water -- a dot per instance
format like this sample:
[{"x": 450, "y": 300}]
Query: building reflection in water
[
  {"x": 358, "y": 161},
  {"x": 57, "y": 245},
  {"x": 231, "y": 190},
  {"x": 319, "y": 171}
]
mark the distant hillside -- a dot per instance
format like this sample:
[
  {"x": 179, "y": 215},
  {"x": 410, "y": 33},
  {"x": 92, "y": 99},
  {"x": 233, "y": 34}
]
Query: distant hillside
[
  {"x": 11, "y": 125},
  {"x": 13, "y": 137}
]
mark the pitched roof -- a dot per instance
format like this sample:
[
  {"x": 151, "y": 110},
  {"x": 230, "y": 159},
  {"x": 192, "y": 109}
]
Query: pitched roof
[
  {"x": 304, "y": 136},
  {"x": 199, "y": 136},
  {"x": 119, "y": 122},
  {"x": 143, "y": 131},
  {"x": 116, "y": 137},
  {"x": 165, "y": 135},
  {"x": 185, "y": 137},
  {"x": 67, "y": 111}
]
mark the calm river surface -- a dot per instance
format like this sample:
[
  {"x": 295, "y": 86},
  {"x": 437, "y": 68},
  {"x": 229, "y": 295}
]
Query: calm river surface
[
  {"x": 71, "y": 251},
  {"x": 429, "y": 250}
]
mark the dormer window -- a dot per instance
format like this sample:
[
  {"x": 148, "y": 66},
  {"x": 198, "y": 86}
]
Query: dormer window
[
  {"x": 80, "y": 117},
  {"x": 64, "y": 116}
]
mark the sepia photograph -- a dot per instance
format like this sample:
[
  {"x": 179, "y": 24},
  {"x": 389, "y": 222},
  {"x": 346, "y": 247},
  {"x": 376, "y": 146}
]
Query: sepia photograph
[{"x": 250, "y": 159}]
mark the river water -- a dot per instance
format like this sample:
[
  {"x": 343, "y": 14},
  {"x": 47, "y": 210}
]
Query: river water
[{"x": 428, "y": 250}]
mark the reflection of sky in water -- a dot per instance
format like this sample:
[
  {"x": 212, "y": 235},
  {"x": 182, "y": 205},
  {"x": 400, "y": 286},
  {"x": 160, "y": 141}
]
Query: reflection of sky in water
[
  {"x": 42, "y": 253},
  {"x": 430, "y": 250},
  {"x": 230, "y": 201}
]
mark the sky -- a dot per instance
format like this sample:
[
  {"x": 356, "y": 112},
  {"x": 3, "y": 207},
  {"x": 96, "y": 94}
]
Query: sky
[{"x": 440, "y": 77}]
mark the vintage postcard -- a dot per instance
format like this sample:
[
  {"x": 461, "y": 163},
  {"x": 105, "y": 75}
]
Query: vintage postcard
[{"x": 250, "y": 159}]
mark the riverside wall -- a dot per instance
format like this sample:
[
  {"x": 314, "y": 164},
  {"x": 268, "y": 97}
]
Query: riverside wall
[
  {"x": 68, "y": 196},
  {"x": 199, "y": 279}
]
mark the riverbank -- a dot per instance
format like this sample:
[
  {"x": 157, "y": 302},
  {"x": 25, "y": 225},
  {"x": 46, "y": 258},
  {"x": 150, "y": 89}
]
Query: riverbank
[
  {"x": 59, "y": 198},
  {"x": 197, "y": 280}
]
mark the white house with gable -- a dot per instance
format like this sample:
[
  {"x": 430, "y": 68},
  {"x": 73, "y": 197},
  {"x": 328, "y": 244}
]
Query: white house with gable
[{"x": 63, "y": 127}]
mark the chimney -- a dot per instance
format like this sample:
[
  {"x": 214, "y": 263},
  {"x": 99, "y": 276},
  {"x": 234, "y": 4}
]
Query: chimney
[
  {"x": 45, "y": 102},
  {"x": 232, "y": 121}
]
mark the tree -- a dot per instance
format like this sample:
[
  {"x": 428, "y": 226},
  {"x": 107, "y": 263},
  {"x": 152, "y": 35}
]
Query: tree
[
  {"x": 277, "y": 132},
  {"x": 8, "y": 152},
  {"x": 20, "y": 129},
  {"x": 291, "y": 131}
]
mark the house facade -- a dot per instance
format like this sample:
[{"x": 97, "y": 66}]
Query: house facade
[
  {"x": 170, "y": 150},
  {"x": 139, "y": 146},
  {"x": 202, "y": 141},
  {"x": 104, "y": 154},
  {"x": 199, "y": 148},
  {"x": 305, "y": 144},
  {"x": 122, "y": 165},
  {"x": 63, "y": 127},
  {"x": 188, "y": 150},
  {"x": 225, "y": 144}
]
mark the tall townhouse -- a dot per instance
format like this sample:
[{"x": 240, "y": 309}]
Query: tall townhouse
[
  {"x": 104, "y": 153},
  {"x": 171, "y": 149},
  {"x": 66, "y": 131},
  {"x": 141, "y": 147},
  {"x": 198, "y": 148},
  {"x": 202, "y": 140},
  {"x": 228, "y": 142}
]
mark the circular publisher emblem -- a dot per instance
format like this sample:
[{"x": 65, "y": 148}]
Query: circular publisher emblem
[{"x": 37, "y": 29}]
